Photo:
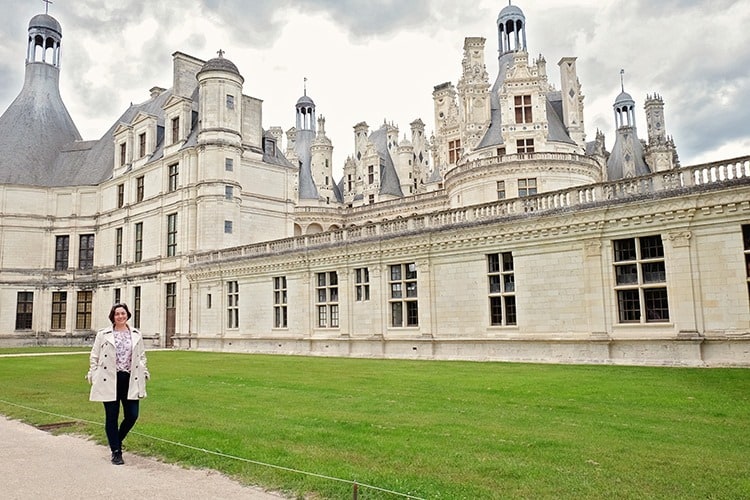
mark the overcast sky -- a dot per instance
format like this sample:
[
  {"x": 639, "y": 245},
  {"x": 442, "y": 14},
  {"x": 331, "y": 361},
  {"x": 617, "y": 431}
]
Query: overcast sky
[{"x": 378, "y": 60}]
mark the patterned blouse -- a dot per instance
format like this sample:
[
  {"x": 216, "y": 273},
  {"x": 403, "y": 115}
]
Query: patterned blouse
[{"x": 123, "y": 349}]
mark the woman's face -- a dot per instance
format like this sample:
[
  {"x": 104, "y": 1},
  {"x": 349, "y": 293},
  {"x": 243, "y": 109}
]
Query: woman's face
[{"x": 121, "y": 316}]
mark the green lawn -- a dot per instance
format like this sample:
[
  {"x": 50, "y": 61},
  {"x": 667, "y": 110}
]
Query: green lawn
[{"x": 431, "y": 429}]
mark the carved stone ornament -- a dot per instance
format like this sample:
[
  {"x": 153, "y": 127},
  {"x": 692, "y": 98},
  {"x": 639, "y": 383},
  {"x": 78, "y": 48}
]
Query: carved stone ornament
[{"x": 680, "y": 239}]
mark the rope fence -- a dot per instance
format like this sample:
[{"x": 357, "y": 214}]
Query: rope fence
[{"x": 356, "y": 486}]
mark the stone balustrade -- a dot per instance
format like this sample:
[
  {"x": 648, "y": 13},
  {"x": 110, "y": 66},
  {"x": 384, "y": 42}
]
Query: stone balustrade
[{"x": 684, "y": 178}]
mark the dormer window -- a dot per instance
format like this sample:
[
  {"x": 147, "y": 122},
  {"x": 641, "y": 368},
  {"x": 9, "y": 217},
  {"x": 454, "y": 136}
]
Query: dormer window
[
  {"x": 523, "y": 108},
  {"x": 123, "y": 153},
  {"x": 454, "y": 151},
  {"x": 175, "y": 129},
  {"x": 142, "y": 145},
  {"x": 270, "y": 147}
]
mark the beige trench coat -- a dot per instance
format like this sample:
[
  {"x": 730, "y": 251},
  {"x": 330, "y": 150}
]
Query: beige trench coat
[{"x": 102, "y": 373}]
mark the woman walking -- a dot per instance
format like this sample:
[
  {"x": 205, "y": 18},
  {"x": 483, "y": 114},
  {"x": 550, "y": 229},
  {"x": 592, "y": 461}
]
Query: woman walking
[{"x": 118, "y": 374}]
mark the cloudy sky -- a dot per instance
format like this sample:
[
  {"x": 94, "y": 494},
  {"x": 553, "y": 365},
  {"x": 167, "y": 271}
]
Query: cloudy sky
[{"x": 378, "y": 60}]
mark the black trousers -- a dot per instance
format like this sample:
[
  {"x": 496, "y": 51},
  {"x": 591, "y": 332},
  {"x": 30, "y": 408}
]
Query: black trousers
[{"x": 116, "y": 434}]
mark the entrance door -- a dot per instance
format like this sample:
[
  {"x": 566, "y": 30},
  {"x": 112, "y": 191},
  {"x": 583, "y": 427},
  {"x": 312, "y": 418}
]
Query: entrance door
[{"x": 171, "y": 314}]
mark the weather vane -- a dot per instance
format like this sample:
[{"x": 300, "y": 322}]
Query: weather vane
[
  {"x": 220, "y": 52},
  {"x": 622, "y": 79},
  {"x": 304, "y": 85},
  {"x": 46, "y": 5}
]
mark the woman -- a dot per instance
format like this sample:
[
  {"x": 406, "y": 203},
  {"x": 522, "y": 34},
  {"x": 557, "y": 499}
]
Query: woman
[{"x": 118, "y": 374}]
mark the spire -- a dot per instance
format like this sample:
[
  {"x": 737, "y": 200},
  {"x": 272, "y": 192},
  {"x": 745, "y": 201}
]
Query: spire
[
  {"x": 46, "y": 6},
  {"x": 622, "y": 80}
]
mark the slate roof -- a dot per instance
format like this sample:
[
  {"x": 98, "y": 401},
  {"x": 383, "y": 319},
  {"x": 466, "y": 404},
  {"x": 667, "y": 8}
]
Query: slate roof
[
  {"x": 389, "y": 181},
  {"x": 34, "y": 129}
]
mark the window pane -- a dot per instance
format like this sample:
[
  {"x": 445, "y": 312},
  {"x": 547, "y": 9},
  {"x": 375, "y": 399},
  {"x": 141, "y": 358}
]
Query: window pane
[
  {"x": 396, "y": 314},
  {"x": 411, "y": 289},
  {"x": 657, "y": 307},
  {"x": 395, "y": 290},
  {"x": 493, "y": 263},
  {"x": 510, "y": 310},
  {"x": 395, "y": 273},
  {"x": 624, "y": 249},
  {"x": 654, "y": 272},
  {"x": 496, "y": 311},
  {"x": 412, "y": 313},
  {"x": 627, "y": 274},
  {"x": 629, "y": 306},
  {"x": 651, "y": 247},
  {"x": 495, "y": 283}
]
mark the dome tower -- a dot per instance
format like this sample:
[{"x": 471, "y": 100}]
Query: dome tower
[{"x": 36, "y": 126}]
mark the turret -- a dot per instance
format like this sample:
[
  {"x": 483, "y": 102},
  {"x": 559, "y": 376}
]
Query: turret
[
  {"x": 220, "y": 103},
  {"x": 321, "y": 163},
  {"x": 627, "y": 158},
  {"x": 660, "y": 152}
]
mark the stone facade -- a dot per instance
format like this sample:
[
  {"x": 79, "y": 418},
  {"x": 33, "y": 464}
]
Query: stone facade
[{"x": 505, "y": 235}]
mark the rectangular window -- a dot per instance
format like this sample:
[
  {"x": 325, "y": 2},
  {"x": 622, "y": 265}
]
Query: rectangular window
[
  {"x": 174, "y": 173},
  {"x": 138, "y": 255},
  {"x": 136, "y": 307},
  {"x": 746, "y": 246},
  {"x": 83, "y": 310},
  {"x": 123, "y": 153},
  {"x": 208, "y": 301},
  {"x": 349, "y": 183},
  {"x": 403, "y": 295},
  {"x": 139, "y": 186},
  {"x": 640, "y": 278},
  {"x": 502, "y": 289},
  {"x": 228, "y": 192},
  {"x": 117, "y": 296},
  {"x": 141, "y": 145},
  {"x": 524, "y": 146},
  {"x": 327, "y": 299},
  {"x": 526, "y": 187},
  {"x": 371, "y": 199},
  {"x": 279, "y": 302},
  {"x": 233, "y": 304},
  {"x": 86, "y": 251},
  {"x": 454, "y": 151},
  {"x": 500, "y": 190},
  {"x": 362, "y": 284},
  {"x": 118, "y": 246},
  {"x": 371, "y": 174},
  {"x": 171, "y": 235},
  {"x": 500, "y": 151},
  {"x": 523, "y": 108},
  {"x": 175, "y": 129},
  {"x": 228, "y": 164},
  {"x": 59, "y": 310},
  {"x": 270, "y": 146},
  {"x": 230, "y": 101},
  {"x": 171, "y": 295},
  {"x": 62, "y": 245},
  {"x": 24, "y": 310},
  {"x": 228, "y": 227},
  {"x": 120, "y": 195}
]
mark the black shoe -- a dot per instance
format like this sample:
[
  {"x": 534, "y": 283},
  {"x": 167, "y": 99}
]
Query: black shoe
[{"x": 117, "y": 458}]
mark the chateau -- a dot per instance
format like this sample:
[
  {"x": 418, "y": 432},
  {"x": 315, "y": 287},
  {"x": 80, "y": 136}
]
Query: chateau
[{"x": 504, "y": 234}]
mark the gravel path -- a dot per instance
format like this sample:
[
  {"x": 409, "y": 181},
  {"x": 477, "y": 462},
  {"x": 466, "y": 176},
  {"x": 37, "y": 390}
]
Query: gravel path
[{"x": 37, "y": 464}]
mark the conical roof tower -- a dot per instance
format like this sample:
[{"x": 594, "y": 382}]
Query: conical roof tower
[{"x": 36, "y": 126}]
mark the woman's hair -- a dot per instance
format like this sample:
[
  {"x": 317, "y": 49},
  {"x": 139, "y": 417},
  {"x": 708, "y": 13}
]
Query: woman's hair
[{"x": 112, "y": 311}]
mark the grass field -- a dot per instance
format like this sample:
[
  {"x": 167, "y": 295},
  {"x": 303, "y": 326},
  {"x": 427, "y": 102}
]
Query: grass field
[{"x": 429, "y": 429}]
